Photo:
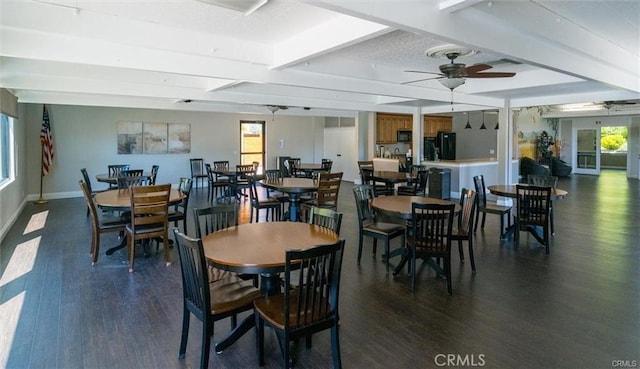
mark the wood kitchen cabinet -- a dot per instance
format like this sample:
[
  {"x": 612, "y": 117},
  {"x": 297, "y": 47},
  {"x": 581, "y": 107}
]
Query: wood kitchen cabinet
[
  {"x": 387, "y": 126},
  {"x": 435, "y": 124}
]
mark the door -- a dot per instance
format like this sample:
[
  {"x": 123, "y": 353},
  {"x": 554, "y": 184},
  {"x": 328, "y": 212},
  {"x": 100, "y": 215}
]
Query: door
[
  {"x": 340, "y": 146},
  {"x": 586, "y": 151},
  {"x": 252, "y": 143}
]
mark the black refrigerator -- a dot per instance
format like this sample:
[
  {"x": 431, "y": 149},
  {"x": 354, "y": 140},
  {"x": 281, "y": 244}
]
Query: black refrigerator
[{"x": 446, "y": 142}]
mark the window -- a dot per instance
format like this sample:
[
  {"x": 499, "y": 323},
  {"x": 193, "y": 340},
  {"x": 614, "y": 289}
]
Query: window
[
  {"x": 252, "y": 143},
  {"x": 6, "y": 148}
]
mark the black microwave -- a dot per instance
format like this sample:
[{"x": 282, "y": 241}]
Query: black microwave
[{"x": 404, "y": 136}]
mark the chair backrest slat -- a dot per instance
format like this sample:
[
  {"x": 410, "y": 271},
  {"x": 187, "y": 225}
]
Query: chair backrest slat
[
  {"x": 432, "y": 224},
  {"x": 326, "y": 218},
  {"x": 215, "y": 218},
  {"x": 468, "y": 205},
  {"x": 364, "y": 195},
  {"x": 318, "y": 284}
]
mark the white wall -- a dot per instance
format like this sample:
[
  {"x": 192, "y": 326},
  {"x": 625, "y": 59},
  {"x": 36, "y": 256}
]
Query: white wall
[
  {"x": 86, "y": 137},
  {"x": 13, "y": 194},
  {"x": 475, "y": 143}
]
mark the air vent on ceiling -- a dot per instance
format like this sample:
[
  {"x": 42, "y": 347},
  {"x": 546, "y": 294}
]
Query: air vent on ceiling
[{"x": 244, "y": 6}]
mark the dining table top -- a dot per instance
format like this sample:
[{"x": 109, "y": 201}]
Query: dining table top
[
  {"x": 106, "y": 178},
  {"x": 510, "y": 191},
  {"x": 121, "y": 198},
  {"x": 400, "y": 206},
  {"x": 259, "y": 248},
  {"x": 309, "y": 166},
  {"x": 291, "y": 184}
]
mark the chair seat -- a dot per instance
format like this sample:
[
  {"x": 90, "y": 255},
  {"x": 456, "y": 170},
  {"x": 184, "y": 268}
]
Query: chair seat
[
  {"x": 230, "y": 293},
  {"x": 495, "y": 208},
  {"x": 383, "y": 228},
  {"x": 144, "y": 229},
  {"x": 272, "y": 309},
  {"x": 175, "y": 216}
]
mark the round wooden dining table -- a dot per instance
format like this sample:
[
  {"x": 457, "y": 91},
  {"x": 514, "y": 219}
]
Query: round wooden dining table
[
  {"x": 120, "y": 200},
  {"x": 400, "y": 206},
  {"x": 294, "y": 187},
  {"x": 510, "y": 191},
  {"x": 259, "y": 248},
  {"x": 106, "y": 178}
]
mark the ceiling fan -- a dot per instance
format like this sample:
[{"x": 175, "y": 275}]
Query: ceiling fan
[{"x": 453, "y": 74}]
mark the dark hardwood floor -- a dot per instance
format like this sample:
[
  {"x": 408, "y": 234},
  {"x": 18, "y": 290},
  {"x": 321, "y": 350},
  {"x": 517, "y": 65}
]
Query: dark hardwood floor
[{"x": 578, "y": 307}]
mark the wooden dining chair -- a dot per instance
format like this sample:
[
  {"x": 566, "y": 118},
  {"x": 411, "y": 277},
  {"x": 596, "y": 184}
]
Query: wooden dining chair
[
  {"x": 309, "y": 307},
  {"x": 243, "y": 173},
  {"x": 464, "y": 231},
  {"x": 533, "y": 205},
  {"x": 273, "y": 205},
  {"x": 418, "y": 186},
  {"x": 87, "y": 181},
  {"x": 99, "y": 225},
  {"x": 131, "y": 177},
  {"x": 326, "y": 218},
  {"x": 365, "y": 167},
  {"x": 430, "y": 237},
  {"x": 293, "y": 164},
  {"x": 149, "y": 218},
  {"x": 369, "y": 226},
  {"x": 154, "y": 174},
  {"x": 197, "y": 170},
  {"x": 179, "y": 211},
  {"x": 491, "y": 207},
  {"x": 214, "y": 218},
  {"x": 209, "y": 301},
  {"x": 545, "y": 181},
  {"x": 114, "y": 172},
  {"x": 327, "y": 194}
]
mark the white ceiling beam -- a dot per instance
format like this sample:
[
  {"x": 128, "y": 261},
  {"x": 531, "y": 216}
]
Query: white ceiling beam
[
  {"x": 339, "y": 32},
  {"x": 451, "y": 6}
]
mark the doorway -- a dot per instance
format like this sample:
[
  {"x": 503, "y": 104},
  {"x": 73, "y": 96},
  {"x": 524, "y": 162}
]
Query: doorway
[
  {"x": 586, "y": 150},
  {"x": 252, "y": 143}
]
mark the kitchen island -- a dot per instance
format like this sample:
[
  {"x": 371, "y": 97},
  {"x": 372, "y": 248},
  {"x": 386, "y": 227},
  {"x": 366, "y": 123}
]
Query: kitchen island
[{"x": 463, "y": 171}]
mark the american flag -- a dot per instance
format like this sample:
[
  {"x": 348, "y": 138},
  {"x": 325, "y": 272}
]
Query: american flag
[{"x": 47, "y": 142}]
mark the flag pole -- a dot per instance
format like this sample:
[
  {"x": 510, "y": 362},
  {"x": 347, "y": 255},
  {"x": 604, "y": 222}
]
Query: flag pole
[{"x": 41, "y": 200}]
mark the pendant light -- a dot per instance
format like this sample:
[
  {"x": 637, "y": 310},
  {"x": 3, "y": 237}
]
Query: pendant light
[
  {"x": 497, "y": 121},
  {"x": 483, "y": 126},
  {"x": 468, "y": 126}
]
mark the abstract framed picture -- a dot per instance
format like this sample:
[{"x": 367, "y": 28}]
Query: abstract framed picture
[{"x": 129, "y": 137}]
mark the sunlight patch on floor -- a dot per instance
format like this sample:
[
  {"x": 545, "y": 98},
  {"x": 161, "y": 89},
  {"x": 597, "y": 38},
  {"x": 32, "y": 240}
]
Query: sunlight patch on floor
[
  {"x": 21, "y": 261},
  {"x": 10, "y": 312},
  {"x": 37, "y": 221}
]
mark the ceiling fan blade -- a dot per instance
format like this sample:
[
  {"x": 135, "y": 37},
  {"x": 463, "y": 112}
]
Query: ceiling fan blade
[
  {"x": 423, "y": 79},
  {"x": 491, "y": 75},
  {"x": 475, "y": 68},
  {"x": 421, "y": 71}
]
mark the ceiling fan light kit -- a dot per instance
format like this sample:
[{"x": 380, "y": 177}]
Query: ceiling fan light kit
[{"x": 452, "y": 83}]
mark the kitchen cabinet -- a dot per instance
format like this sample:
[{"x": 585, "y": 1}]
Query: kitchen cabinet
[
  {"x": 435, "y": 124},
  {"x": 387, "y": 126}
]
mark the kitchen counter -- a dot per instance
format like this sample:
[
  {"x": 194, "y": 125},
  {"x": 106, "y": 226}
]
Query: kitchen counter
[{"x": 463, "y": 171}]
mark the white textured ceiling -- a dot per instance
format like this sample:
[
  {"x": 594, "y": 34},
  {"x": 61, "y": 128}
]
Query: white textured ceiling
[{"x": 336, "y": 57}]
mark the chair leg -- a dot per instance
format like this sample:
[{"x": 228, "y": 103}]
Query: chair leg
[
  {"x": 475, "y": 227},
  {"x": 460, "y": 251},
  {"x": 412, "y": 270},
  {"x": 473, "y": 261},
  {"x": 545, "y": 229},
  {"x": 360, "y": 247},
  {"x": 186, "y": 317},
  {"x": 132, "y": 252},
  {"x": 553, "y": 232},
  {"x": 335, "y": 346},
  {"x": 501, "y": 224},
  {"x": 386, "y": 253},
  {"x": 95, "y": 247},
  {"x": 207, "y": 332},
  {"x": 484, "y": 217},
  {"x": 260, "y": 339},
  {"x": 447, "y": 269}
]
